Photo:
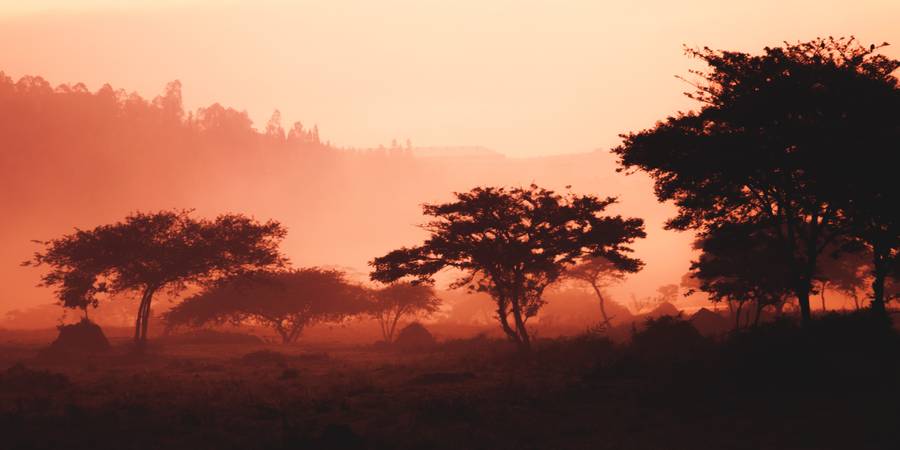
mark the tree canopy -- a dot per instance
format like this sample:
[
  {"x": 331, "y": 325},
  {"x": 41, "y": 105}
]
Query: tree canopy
[
  {"x": 512, "y": 243},
  {"x": 286, "y": 301},
  {"x": 792, "y": 138},
  {"x": 152, "y": 252}
]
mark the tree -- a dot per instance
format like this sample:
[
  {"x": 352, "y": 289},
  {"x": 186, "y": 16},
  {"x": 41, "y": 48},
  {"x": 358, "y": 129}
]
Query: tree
[
  {"x": 845, "y": 270},
  {"x": 668, "y": 293},
  {"x": 512, "y": 244},
  {"x": 152, "y": 252},
  {"x": 740, "y": 264},
  {"x": 401, "y": 299},
  {"x": 772, "y": 141},
  {"x": 286, "y": 302},
  {"x": 599, "y": 273}
]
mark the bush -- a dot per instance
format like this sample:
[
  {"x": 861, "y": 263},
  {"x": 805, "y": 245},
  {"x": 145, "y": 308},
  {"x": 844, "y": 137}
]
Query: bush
[{"x": 668, "y": 338}]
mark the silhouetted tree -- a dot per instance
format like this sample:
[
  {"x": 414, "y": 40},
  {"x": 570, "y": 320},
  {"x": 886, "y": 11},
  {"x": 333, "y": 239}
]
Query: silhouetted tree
[
  {"x": 286, "y": 302},
  {"x": 740, "y": 264},
  {"x": 152, "y": 252},
  {"x": 512, "y": 243},
  {"x": 773, "y": 140},
  {"x": 846, "y": 272},
  {"x": 600, "y": 272},
  {"x": 401, "y": 299}
]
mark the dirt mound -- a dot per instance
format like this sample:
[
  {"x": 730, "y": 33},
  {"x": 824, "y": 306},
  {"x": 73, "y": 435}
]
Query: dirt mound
[
  {"x": 414, "y": 337},
  {"x": 668, "y": 338},
  {"x": 664, "y": 309},
  {"x": 81, "y": 338},
  {"x": 212, "y": 337},
  {"x": 709, "y": 323}
]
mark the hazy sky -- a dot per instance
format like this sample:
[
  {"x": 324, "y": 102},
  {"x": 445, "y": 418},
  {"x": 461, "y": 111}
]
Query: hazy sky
[{"x": 521, "y": 77}]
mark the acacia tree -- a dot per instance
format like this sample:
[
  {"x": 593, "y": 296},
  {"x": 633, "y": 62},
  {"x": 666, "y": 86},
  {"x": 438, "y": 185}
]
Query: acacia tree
[
  {"x": 599, "y": 273},
  {"x": 512, "y": 244},
  {"x": 772, "y": 141},
  {"x": 152, "y": 252},
  {"x": 401, "y": 299},
  {"x": 287, "y": 302}
]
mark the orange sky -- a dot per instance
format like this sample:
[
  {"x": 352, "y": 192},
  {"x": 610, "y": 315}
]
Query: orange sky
[
  {"x": 520, "y": 77},
  {"x": 523, "y": 78}
]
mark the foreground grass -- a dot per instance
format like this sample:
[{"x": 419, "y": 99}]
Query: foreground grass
[{"x": 778, "y": 388}]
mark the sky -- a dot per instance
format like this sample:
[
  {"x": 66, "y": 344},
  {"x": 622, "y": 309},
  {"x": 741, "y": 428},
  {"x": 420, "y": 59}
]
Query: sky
[
  {"x": 542, "y": 82},
  {"x": 524, "y": 78}
]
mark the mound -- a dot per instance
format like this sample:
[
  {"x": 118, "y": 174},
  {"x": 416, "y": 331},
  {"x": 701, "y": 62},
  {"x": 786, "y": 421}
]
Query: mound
[
  {"x": 709, "y": 323},
  {"x": 667, "y": 338},
  {"x": 81, "y": 338},
  {"x": 414, "y": 337},
  {"x": 664, "y": 309}
]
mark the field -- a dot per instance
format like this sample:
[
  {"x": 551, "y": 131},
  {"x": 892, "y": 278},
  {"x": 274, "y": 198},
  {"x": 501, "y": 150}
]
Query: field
[{"x": 666, "y": 390}]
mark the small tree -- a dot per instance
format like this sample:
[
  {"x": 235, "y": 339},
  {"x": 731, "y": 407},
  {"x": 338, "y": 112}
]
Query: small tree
[
  {"x": 845, "y": 272},
  {"x": 402, "y": 299},
  {"x": 739, "y": 264},
  {"x": 512, "y": 244},
  {"x": 151, "y": 252},
  {"x": 599, "y": 273},
  {"x": 286, "y": 302}
]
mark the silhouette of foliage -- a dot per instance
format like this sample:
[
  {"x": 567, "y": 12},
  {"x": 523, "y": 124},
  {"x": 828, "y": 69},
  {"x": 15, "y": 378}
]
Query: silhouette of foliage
[
  {"x": 791, "y": 138},
  {"x": 740, "y": 264},
  {"x": 401, "y": 299},
  {"x": 287, "y": 302},
  {"x": 152, "y": 252},
  {"x": 512, "y": 244}
]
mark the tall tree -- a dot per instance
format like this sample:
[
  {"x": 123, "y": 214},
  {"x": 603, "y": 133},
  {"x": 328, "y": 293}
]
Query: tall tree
[
  {"x": 401, "y": 299},
  {"x": 511, "y": 244},
  {"x": 599, "y": 273},
  {"x": 152, "y": 252},
  {"x": 773, "y": 132},
  {"x": 287, "y": 302}
]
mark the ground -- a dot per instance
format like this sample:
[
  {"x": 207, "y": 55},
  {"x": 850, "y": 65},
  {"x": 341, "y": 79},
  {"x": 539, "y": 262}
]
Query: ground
[{"x": 582, "y": 392}]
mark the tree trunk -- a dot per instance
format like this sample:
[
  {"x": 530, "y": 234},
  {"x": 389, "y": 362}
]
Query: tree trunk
[
  {"x": 521, "y": 332},
  {"x": 737, "y": 316},
  {"x": 503, "y": 317},
  {"x": 140, "y": 323},
  {"x": 822, "y": 295},
  {"x": 146, "y": 325},
  {"x": 602, "y": 304},
  {"x": 879, "y": 261},
  {"x": 393, "y": 328},
  {"x": 802, "y": 293}
]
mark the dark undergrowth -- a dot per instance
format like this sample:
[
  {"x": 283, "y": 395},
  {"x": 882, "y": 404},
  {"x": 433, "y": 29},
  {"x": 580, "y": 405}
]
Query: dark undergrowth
[{"x": 832, "y": 385}]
